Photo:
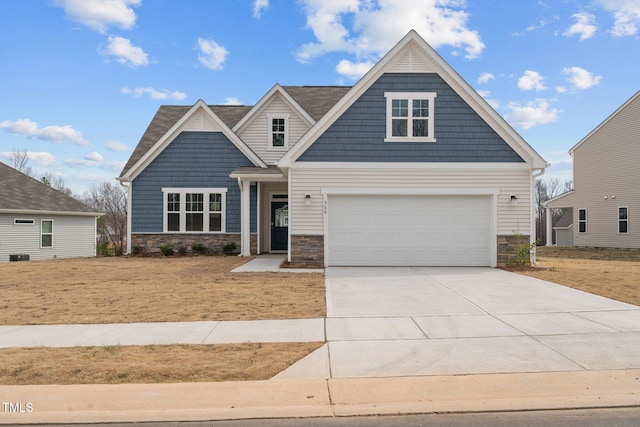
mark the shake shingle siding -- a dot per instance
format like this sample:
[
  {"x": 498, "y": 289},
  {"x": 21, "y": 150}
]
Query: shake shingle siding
[
  {"x": 192, "y": 160},
  {"x": 461, "y": 134}
]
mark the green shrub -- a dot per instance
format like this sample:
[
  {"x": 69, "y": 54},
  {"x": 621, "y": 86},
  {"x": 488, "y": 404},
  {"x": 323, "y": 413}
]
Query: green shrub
[
  {"x": 167, "y": 250},
  {"x": 103, "y": 248},
  {"x": 229, "y": 248},
  {"x": 137, "y": 250},
  {"x": 522, "y": 251},
  {"x": 199, "y": 248},
  {"x": 182, "y": 250}
]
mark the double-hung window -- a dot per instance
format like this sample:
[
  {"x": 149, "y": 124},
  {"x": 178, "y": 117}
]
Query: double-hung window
[
  {"x": 410, "y": 116},
  {"x": 582, "y": 220},
  {"x": 623, "y": 220},
  {"x": 194, "y": 210},
  {"x": 278, "y": 131},
  {"x": 46, "y": 233}
]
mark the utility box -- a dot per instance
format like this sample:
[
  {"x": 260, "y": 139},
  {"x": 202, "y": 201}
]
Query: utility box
[{"x": 19, "y": 257}]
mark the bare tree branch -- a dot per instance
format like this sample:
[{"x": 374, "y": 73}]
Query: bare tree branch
[
  {"x": 112, "y": 227},
  {"x": 19, "y": 160}
]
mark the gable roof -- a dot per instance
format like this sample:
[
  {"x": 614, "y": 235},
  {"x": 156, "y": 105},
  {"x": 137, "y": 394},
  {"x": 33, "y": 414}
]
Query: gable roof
[
  {"x": 601, "y": 125},
  {"x": 19, "y": 193},
  {"x": 317, "y": 100},
  {"x": 415, "y": 54},
  {"x": 151, "y": 146}
]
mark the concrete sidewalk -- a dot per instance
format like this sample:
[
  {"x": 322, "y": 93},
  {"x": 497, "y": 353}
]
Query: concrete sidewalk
[{"x": 318, "y": 398}]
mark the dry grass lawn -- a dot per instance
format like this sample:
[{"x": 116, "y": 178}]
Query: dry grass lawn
[
  {"x": 127, "y": 290},
  {"x": 611, "y": 273},
  {"x": 118, "y": 290}
]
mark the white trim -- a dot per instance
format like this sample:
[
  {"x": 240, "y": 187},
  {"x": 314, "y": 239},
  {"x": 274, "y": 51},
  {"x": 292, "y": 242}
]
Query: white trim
[
  {"x": 270, "y": 132},
  {"x": 276, "y": 89},
  {"x": 448, "y": 74},
  {"x": 46, "y": 234},
  {"x": 585, "y": 220},
  {"x": 410, "y": 97},
  {"x": 403, "y": 191},
  {"x": 205, "y": 212},
  {"x": 494, "y": 166},
  {"x": 245, "y": 218},
  {"x": 175, "y": 130},
  {"x": 626, "y": 220},
  {"x": 272, "y": 199},
  {"x": 47, "y": 212}
]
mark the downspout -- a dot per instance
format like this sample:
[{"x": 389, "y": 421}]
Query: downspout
[
  {"x": 127, "y": 185},
  {"x": 533, "y": 236}
]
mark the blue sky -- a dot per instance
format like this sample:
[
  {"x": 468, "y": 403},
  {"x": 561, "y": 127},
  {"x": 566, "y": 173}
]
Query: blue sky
[{"x": 81, "y": 79}]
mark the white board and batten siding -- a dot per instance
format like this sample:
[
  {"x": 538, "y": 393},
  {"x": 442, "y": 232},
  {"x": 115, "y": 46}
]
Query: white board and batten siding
[
  {"x": 256, "y": 133},
  {"x": 73, "y": 236},
  {"x": 480, "y": 199}
]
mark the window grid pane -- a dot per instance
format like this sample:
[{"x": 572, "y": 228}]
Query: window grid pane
[
  {"x": 215, "y": 202},
  {"x": 420, "y": 127},
  {"x": 400, "y": 108},
  {"x": 215, "y": 222},
  {"x": 399, "y": 127},
  {"x": 173, "y": 202},
  {"x": 420, "y": 108},
  {"x": 195, "y": 202}
]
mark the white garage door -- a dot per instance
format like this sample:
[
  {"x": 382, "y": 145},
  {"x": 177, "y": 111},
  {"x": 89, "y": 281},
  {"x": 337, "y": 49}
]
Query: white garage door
[{"x": 409, "y": 230}]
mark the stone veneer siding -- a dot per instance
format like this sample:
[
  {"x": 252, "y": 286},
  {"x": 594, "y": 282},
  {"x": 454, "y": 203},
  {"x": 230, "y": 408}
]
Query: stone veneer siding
[
  {"x": 151, "y": 242},
  {"x": 307, "y": 251},
  {"x": 507, "y": 245}
]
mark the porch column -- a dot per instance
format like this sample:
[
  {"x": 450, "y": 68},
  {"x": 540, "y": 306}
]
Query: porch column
[
  {"x": 245, "y": 218},
  {"x": 549, "y": 227}
]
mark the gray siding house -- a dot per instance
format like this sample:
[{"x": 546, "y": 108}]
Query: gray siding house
[
  {"x": 38, "y": 222},
  {"x": 606, "y": 179},
  {"x": 410, "y": 166}
]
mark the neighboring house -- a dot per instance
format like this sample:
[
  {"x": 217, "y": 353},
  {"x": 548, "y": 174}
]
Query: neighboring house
[
  {"x": 606, "y": 179},
  {"x": 38, "y": 222},
  {"x": 408, "y": 167},
  {"x": 563, "y": 229}
]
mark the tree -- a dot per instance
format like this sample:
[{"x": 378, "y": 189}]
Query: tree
[
  {"x": 19, "y": 160},
  {"x": 111, "y": 200},
  {"x": 546, "y": 190},
  {"x": 57, "y": 183}
]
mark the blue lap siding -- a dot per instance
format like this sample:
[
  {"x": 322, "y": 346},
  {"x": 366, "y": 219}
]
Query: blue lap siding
[
  {"x": 193, "y": 159},
  {"x": 461, "y": 134}
]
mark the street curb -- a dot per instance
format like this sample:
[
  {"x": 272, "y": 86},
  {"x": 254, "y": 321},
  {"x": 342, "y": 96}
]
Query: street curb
[{"x": 318, "y": 398}]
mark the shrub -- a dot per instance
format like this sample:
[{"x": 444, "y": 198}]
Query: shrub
[
  {"x": 167, "y": 250},
  {"x": 103, "y": 248},
  {"x": 522, "y": 251},
  {"x": 229, "y": 248},
  {"x": 199, "y": 248},
  {"x": 182, "y": 250},
  {"x": 137, "y": 250}
]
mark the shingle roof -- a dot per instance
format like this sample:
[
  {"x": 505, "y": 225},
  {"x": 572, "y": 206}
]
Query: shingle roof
[
  {"x": 20, "y": 192},
  {"x": 565, "y": 220},
  {"x": 315, "y": 100}
]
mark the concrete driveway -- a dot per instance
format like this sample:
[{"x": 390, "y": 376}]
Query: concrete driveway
[{"x": 402, "y": 321}]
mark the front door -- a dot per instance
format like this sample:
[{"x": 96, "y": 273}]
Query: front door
[{"x": 279, "y": 225}]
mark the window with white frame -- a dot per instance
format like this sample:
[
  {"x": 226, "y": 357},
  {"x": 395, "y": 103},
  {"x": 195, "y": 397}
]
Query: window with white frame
[
  {"x": 623, "y": 220},
  {"x": 194, "y": 210},
  {"x": 278, "y": 131},
  {"x": 46, "y": 233},
  {"x": 410, "y": 116},
  {"x": 582, "y": 220}
]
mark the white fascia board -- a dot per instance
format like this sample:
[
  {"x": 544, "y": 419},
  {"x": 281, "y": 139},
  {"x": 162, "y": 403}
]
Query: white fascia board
[
  {"x": 276, "y": 89},
  {"x": 403, "y": 191},
  {"x": 483, "y": 108},
  {"x": 604, "y": 122},
  {"x": 170, "y": 135},
  {"x": 49, "y": 213},
  {"x": 412, "y": 165},
  {"x": 560, "y": 197}
]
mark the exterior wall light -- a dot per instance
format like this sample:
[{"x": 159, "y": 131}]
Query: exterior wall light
[
  {"x": 307, "y": 199},
  {"x": 513, "y": 199}
]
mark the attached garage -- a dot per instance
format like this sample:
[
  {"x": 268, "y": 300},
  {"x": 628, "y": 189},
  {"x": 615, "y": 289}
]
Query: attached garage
[{"x": 409, "y": 230}]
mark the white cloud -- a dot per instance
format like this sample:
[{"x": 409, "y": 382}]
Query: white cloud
[
  {"x": 29, "y": 128},
  {"x": 531, "y": 80},
  {"x": 212, "y": 55},
  {"x": 561, "y": 89},
  {"x": 94, "y": 157},
  {"x": 126, "y": 53},
  {"x": 580, "y": 78},
  {"x": 353, "y": 70},
  {"x": 626, "y": 14},
  {"x": 116, "y": 146},
  {"x": 368, "y": 29},
  {"x": 232, "y": 101},
  {"x": 38, "y": 158},
  {"x": 99, "y": 15},
  {"x": 258, "y": 6},
  {"x": 154, "y": 94},
  {"x": 485, "y": 78},
  {"x": 584, "y": 26},
  {"x": 533, "y": 113}
]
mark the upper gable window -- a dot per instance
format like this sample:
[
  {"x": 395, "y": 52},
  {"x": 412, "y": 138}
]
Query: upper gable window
[
  {"x": 410, "y": 116},
  {"x": 278, "y": 131}
]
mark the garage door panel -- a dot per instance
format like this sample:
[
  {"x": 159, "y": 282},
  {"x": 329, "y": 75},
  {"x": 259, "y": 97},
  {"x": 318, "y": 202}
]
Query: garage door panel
[{"x": 409, "y": 230}]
